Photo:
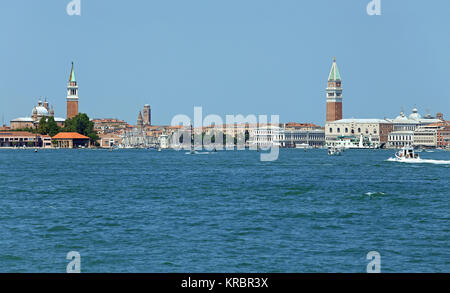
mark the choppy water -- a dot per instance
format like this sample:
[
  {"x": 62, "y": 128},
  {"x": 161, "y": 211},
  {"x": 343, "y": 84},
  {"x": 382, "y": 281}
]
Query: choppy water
[{"x": 148, "y": 211}]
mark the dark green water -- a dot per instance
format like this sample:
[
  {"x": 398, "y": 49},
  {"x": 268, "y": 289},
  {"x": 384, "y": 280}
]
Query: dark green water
[{"x": 148, "y": 211}]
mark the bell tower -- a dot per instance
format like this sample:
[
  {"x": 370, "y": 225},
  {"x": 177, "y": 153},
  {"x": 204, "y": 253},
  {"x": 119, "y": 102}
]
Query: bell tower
[
  {"x": 334, "y": 94},
  {"x": 72, "y": 95}
]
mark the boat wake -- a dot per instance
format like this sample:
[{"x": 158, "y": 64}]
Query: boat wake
[
  {"x": 375, "y": 193},
  {"x": 199, "y": 153},
  {"x": 420, "y": 161}
]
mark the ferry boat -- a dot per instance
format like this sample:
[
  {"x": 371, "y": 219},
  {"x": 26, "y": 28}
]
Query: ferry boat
[
  {"x": 406, "y": 154},
  {"x": 351, "y": 142}
]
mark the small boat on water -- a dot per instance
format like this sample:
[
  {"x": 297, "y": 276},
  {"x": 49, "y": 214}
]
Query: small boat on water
[
  {"x": 407, "y": 154},
  {"x": 302, "y": 146},
  {"x": 332, "y": 151}
]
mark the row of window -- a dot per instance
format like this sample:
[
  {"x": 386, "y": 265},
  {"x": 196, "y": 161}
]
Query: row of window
[
  {"x": 400, "y": 137},
  {"x": 16, "y": 139},
  {"x": 352, "y": 131}
]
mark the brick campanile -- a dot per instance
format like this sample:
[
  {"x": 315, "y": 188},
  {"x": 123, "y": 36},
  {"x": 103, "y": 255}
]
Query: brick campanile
[
  {"x": 334, "y": 94},
  {"x": 72, "y": 95}
]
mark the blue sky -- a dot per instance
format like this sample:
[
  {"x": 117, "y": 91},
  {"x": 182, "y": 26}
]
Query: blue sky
[{"x": 228, "y": 56}]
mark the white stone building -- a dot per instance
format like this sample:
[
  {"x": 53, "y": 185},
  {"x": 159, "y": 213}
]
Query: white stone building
[
  {"x": 374, "y": 130},
  {"x": 400, "y": 139}
]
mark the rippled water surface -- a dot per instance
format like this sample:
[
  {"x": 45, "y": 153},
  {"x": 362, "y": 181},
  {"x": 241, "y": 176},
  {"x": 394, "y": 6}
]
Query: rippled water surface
[{"x": 148, "y": 211}]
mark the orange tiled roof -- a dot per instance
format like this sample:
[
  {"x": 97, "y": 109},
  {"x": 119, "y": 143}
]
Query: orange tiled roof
[
  {"x": 69, "y": 135},
  {"x": 16, "y": 133}
]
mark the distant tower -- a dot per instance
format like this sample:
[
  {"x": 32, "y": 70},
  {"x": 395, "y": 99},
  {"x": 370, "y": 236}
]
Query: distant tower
[
  {"x": 140, "y": 121},
  {"x": 72, "y": 95},
  {"x": 147, "y": 115},
  {"x": 334, "y": 94}
]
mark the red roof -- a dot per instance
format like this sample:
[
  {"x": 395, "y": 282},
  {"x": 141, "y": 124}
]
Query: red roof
[{"x": 69, "y": 135}]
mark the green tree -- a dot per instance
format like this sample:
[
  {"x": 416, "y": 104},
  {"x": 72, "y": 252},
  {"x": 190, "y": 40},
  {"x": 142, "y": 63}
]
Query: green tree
[
  {"x": 83, "y": 125},
  {"x": 43, "y": 127},
  {"x": 52, "y": 127}
]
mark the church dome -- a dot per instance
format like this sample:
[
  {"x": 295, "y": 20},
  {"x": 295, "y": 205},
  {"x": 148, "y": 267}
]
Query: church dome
[
  {"x": 401, "y": 117},
  {"x": 40, "y": 111},
  {"x": 415, "y": 114}
]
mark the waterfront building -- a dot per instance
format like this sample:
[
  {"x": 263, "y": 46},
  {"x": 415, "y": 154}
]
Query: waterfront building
[
  {"x": 443, "y": 136},
  {"x": 109, "y": 140},
  {"x": 72, "y": 95},
  {"x": 374, "y": 130},
  {"x": 42, "y": 109},
  {"x": 266, "y": 136},
  {"x": 163, "y": 141},
  {"x": 138, "y": 139},
  {"x": 24, "y": 139},
  {"x": 400, "y": 139},
  {"x": 427, "y": 135},
  {"x": 334, "y": 94},
  {"x": 71, "y": 140},
  {"x": 302, "y": 137}
]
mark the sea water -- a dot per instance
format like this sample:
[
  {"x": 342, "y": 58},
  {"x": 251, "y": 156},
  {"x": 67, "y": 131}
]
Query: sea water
[{"x": 149, "y": 211}]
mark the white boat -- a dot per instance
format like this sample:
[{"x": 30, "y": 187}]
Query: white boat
[
  {"x": 334, "y": 151},
  {"x": 406, "y": 154},
  {"x": 302, "y": 146}
]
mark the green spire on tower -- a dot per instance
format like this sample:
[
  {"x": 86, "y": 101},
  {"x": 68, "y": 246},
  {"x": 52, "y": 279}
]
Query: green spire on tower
[
  {"x": 72, "y": 75},
  {"x": 334, "y": 73}
]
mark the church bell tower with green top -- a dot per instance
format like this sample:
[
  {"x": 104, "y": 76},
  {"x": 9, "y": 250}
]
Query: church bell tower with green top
[
  {"x": 334, "y": 94},
  {"x": 72, "y": 95}
]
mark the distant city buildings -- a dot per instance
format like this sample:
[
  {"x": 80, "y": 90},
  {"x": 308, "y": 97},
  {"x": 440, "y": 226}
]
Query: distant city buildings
[
  {"x": 411, "y": 130},
  {"x": 109, "y": 125}
]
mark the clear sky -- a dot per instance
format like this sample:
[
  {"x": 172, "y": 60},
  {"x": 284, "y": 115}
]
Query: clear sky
[{"x": 228, "y": 56}]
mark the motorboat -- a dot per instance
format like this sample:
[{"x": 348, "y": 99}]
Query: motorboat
[
  {"x": 332, "y": 151},
  {"x": 407, "y": 154}
]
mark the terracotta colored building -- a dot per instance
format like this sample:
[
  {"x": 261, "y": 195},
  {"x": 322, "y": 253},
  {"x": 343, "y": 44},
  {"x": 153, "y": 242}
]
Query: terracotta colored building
[
  {"x": 109, "y": 140},
  {"x": 71, "y": 140}
]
